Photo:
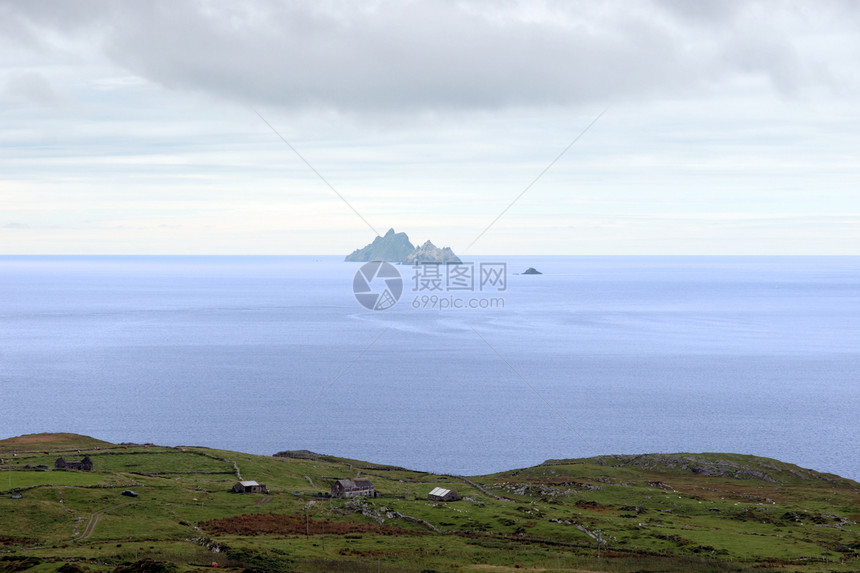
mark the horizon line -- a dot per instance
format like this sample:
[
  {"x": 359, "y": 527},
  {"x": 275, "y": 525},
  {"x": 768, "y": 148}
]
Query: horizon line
[{"x": 730, "y": 254}]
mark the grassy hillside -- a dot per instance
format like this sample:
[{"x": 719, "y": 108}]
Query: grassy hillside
[
  {"x": 30, "y": 442},
  {"x": 659, "y": 512}
]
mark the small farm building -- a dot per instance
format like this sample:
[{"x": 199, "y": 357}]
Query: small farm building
[
  {"x": 358, "y": 487},
  {"x": 442, "y": 494},
  {"x": 249, "y": 486},
  {"x": 85, "y": 464}
]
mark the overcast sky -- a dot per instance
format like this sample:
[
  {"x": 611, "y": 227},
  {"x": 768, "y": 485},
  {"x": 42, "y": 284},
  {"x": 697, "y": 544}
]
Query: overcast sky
[{"x": 132, "y": 127}]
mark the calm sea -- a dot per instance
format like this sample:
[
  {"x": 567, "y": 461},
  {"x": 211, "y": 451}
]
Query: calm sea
[{"x": 755, "y": 355}]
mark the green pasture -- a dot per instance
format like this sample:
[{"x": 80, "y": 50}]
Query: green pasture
[
  {"x": 650, "y": 513},
  {"x": 27, "y": 479}
]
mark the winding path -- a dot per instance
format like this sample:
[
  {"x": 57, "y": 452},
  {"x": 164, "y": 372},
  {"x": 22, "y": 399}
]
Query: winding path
[
  {"x": 94, "y": 520},
  {"x": 91, "y": 526}
]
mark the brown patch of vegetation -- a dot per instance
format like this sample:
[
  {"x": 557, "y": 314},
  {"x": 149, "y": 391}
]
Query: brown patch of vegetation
[
  {"x": 294, "y": 524},
  {"x": 10, "y": 540},
  {"x": 507, "y": 569},
  {"x": 38, "y": 439},
  {"x": 53, "y": 440},
  {"x": 14, "y": 563},
  {"x": 591, "y": 505},
  {"x": 147, "y": 565}
]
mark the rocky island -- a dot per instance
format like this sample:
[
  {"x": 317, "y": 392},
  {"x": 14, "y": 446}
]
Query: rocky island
[
  {"x": 430, "y": 253},
  {"x": 396, "y": 248}
]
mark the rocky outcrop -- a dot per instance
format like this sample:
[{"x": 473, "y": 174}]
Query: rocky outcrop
[
  {"x": 742, "y": 467},
  {"x": 428, "y": 253},
  {"x": 393, "y": 247},
  {"x": 532, "y": 271},
  {"x": 396, "y": 248}
]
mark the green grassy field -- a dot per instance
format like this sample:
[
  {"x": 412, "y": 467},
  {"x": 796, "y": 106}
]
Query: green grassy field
[{"x": 666, "y": 512}]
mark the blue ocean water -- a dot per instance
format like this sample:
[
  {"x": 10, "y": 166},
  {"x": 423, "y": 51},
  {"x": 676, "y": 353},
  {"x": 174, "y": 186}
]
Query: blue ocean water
[{"x": 756, "y": 355}]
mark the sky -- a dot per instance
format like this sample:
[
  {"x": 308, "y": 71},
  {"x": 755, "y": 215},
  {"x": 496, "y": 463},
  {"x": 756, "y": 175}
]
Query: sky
[{"x": 206, "y": 127}]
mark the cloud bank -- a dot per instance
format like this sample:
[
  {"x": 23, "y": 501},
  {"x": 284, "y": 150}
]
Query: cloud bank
[
  {"x": 732, "y": 126},
  {"x": 406, "y": 56}
]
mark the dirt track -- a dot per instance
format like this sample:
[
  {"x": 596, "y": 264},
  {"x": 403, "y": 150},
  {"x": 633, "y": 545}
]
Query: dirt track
[{"x": 94, "y": 520}]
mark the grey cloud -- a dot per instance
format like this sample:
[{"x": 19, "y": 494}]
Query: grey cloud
[
  {"x": 30, "y": 87},
  {"x": 704, "y": 12},
  {"x": 15, "y": 26},
  {"x": 442, "y": 55},
  {"x": 406, "y": 56}
]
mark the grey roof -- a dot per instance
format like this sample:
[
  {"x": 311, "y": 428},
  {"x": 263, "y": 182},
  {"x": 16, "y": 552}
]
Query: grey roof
[
  {"x": 248, "y": 483},
  {"x": 358, "y": 482},
  {"x": 440, "y": 491}
]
